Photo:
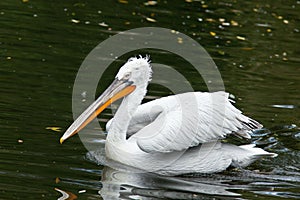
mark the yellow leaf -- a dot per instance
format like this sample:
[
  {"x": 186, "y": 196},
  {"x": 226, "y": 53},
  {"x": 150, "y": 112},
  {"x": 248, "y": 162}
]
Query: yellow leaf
[
  {"x": 53, "y": 128},
  {"x": 212, "y": 33},
  {"x": 123, "y": 1}
]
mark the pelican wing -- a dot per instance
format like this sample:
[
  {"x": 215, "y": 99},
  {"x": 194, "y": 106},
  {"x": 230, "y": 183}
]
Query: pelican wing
[{"x": 182, "y": 121}]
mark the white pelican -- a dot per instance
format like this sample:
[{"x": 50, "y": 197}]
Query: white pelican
[{"x": 173, "y": 135}]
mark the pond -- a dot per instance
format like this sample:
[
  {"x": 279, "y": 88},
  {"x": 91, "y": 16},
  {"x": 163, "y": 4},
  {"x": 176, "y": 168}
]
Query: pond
[{"x": 43, "y": 44}]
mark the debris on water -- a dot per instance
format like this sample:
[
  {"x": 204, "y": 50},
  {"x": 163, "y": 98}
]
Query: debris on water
[
  {"x": 234, "y": 23},
  {"x": 123, "y": 1},
  {"x": 103, "y": 24},
  {"x": 81, "y": 191},
  {"x": 54, "y": 128},
  {"x": 247, "y": 48},
  {"x": 150, "y": 19},
  {"x": 221, "y": 52},
  {"x": 240, "y": 37},
  {"x": 57, "y": 180},
  {"x": 225, "y": 24},
  {"x": 20, "y": 141},
  {"x": 212, "y": 33},
  {"x": 210, "y": 20},
  {"x": 150, "y": 3},
  {"x": 25, "y": 1},
  {"x": 75, "y": 21}
]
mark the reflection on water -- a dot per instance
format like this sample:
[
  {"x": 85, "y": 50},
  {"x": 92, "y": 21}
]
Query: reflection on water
[
  {"x": 119, "y": 184},
  {"x": 119, "y": 181},
  {"x": 234, "y": 185}
]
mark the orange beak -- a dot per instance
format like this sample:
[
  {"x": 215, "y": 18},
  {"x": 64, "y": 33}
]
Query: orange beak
[{"x": 117, "y": 90}]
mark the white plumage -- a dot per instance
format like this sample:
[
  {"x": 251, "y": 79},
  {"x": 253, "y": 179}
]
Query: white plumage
[{"x": 172, "y": 135}]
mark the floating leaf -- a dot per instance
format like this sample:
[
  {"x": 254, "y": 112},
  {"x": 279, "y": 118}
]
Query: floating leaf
[
  {"x": 103, "y": 24},
  {"x": 54, "y": 128},
  {"x": 123, "y": 1},
  {"x": 247, "y": 48},
  {"x": 150, "y": 3},
  {"x": 150, "y": 19},
  {"x": 75, "y": 21},
  {"x": 234, "y": 23},
  {"x": 221, "y": 52},
  {"x": 57, "y": 180},
  {"x": 210, "y": 20},
  {"x": 240, "y": 37},
  {"x": 212, "y": 33}
]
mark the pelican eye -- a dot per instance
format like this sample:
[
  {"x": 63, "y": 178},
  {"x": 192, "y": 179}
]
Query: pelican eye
[{"x": 127, "y": 76}]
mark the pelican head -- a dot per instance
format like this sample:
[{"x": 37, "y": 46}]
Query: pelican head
[
  {"x": 134, "y": 74},
  {"x": 136, "y": 70}
]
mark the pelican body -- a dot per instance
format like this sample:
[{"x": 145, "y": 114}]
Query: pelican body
[{"x": 173, "y": 135}]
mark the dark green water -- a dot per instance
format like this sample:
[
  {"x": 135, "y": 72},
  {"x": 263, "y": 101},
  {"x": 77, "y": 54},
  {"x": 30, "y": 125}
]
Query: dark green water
[{"x": 43, "y": 43}]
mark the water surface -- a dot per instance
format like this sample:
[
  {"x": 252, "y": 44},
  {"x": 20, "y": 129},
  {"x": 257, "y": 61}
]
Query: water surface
[{"x": 43, "y": 43}]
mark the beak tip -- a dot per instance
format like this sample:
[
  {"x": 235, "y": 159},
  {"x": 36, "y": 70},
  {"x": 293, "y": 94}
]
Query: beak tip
[{"x": 61, "y": 140}]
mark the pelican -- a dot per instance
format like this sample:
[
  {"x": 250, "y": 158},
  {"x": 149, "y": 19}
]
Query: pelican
[{"x": 173, "y": 135}]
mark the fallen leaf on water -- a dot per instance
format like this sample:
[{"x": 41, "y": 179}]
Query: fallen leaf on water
[
  {"x": 150, "y": 3},
  {"x": 212, "y": 33},
  {"x": 75, "y": 21},
  {"x": 234, "y": 23},
  {"x": 150, "y": 19},
  {"x": 57, "y": 180},
  {"x": 221, "y": 52},
  {"x": 210, "y": 20},
  {"x": 54, "y": 128},
  {"x": 103, "y": 24},
  {"x": 123, "y": 1},
  {"x": 247, "y": 48},
  {"x": 240, "y": 37}
]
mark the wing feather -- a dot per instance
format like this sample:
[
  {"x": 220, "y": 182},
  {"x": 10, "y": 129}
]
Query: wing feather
[{"x": 182, "y": 121}]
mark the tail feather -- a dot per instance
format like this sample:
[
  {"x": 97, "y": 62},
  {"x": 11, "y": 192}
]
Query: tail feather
[{"x": 244, "y": 155}]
